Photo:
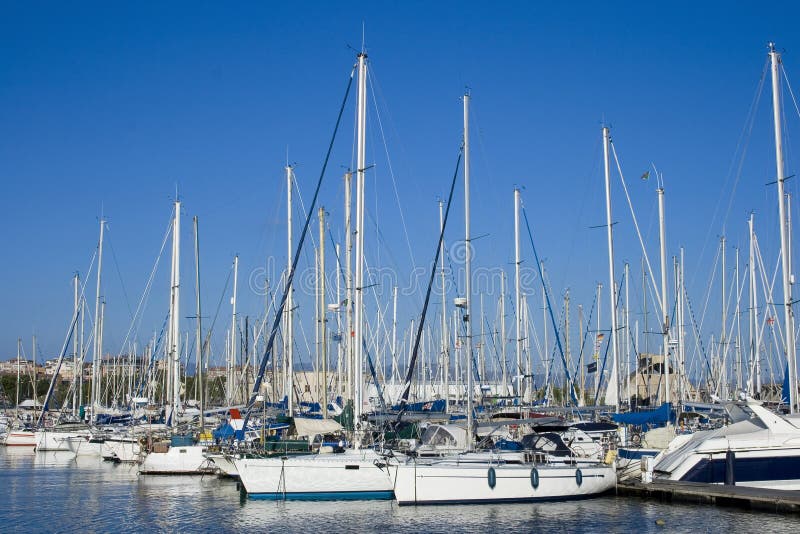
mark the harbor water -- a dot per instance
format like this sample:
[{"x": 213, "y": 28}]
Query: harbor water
[{"x": 54, "y": 492}]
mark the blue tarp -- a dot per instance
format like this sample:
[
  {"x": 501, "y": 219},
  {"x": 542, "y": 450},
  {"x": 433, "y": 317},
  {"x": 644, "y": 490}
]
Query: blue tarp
[
  {"x": 436, "y": 406},
  {"x": 223, "y": 432},
  {"x": 651, "y": 418}
]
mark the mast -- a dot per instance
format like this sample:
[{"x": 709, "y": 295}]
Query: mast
[
  {"x": 445, "y": 343},
  {"x": 19, "y": 349},
  {"x": 323, "y": 319},
  {"x": 348, "y": 283},
  {"x": 288, "y": 339},
  {"x": 394, "y": 334},
  {"x": 775, "y": 58},
  {"x": 723, "y": 337},
  {"x": 581, "y": 386},
  {"x": 83, "y": 355},
  {"x": 545, "y": 356},
  {"x": 76, "y": 311},
  {"x": 232, "y": 375},
  {"x": 98, "y": 337},
  {"x": 627, "y": 338},
  {"x": 468, "y": 273},
  {"x": 613, "y": 381},
  {"x": 738, "y": 328},
  {"x": 503, "y": 330},
  {"x": 664, "y": 308},
  {"x": 359, "y": 281},
  {"x": 517, "y": 300},
  {"x": 198, "y": 335},
  {"x": 174, "y": 315},
  {"x": 597, "y": 347},
  {"x": 755, "y": 389},
  {"x": 567, "y": 355}
]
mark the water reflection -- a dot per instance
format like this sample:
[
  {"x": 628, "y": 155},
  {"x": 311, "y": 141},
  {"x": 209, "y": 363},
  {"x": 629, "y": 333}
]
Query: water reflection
[{"x": 57, "y": 491}]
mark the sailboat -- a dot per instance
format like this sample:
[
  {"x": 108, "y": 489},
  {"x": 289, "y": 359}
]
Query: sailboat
[
  {"x": 180, "y": 454},
  {"x": 475, "y": 476},
  {"x": 360, "y": 473}
]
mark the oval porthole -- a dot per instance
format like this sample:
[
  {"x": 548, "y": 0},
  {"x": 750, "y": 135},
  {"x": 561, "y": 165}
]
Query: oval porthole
[
  {"x": 578, "y": 477},
  {"x": 535, "y": 478},
  {"x": 492, "y": 478}
]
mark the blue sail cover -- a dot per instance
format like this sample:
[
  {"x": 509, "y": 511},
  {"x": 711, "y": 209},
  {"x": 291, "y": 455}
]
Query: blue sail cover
[
  {"x": 436, "y": 406},
  {"x": 651, "y": 418}
]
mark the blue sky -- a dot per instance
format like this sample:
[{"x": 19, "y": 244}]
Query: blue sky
[{"x": 111, "y": 106}]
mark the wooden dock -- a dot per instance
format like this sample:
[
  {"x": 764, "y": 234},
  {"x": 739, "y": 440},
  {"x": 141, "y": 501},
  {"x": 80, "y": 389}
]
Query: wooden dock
[{"x": 696, "y": 492}]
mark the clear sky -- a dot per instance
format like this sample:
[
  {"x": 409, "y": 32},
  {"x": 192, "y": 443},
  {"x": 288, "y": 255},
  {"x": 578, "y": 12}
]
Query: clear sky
[{"x": 108, "y": 107}]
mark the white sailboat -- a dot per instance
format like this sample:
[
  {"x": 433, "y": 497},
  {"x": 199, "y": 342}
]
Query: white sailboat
[
  {"x": 179, "y": 455},
  {"x": 354, "y": 474}
]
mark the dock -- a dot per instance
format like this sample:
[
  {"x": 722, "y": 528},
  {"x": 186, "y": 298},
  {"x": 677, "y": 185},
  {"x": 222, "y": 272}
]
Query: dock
[{"x": 741, "y": 497}]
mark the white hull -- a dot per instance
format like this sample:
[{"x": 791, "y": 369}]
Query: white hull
[
  {"x": 224, "y": 464},
  {"x": 122, "y": 450},
  {"x": 19, "y": 438},
  {"x": 51, "y": 441},
  {"x": 188, "y": 460},
  {"x": 450, "y": 482},
  {"x": 357, "y": 474},
  {"x": 762, "y": 452}
]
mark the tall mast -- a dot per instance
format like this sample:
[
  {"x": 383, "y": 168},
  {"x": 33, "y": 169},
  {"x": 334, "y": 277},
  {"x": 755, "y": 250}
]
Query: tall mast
[
  {"x": 664, "y": 307},
  {"x": 612, "y": 287},
  {"x": 75, "y": 357},
  {"x": 582, "y": 384},
  {"x": 738, "y": 328},
  {"x": 359, "y": 281},
  {"x": 597, "y": 347},
  {"x": 517, "y": 300},
  {"x": 174, "y": 314},
  {"x": 545, "y": 356},
  {"x": 445, "y": 365},
  {"x": 567, "y": 355},
  {"x": 348, "y": 284},
  {"x": 323, "y": 319},
  {"x": 81, "y": 346},
  {"x": 682, "y": 329},
  {"x": 468, "y": 272},
  {"x": 288, "y": 339},
  {"x": 627, "y": 338},
  {"x": 755, "y": 388},
  {"x": 340, "y": 344},
  {"x": 232, "y": 359},
  {"x": 723, "y": 337},
  {"x": 775, "y": 58},
  {"x": 503, "y": 331},
  {"x": 198, "y": 342},
  {"x": 98, "y": 337},
  {"x": 394, "y": 334},
  {"x": 19, "y": 350}
]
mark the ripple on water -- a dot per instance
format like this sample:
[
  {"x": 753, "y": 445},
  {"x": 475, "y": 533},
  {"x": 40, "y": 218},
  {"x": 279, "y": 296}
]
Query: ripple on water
[{"x": 56, "y": 492}]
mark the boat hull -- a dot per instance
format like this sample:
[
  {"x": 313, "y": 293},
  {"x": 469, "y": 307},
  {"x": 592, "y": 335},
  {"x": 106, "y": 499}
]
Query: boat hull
[
  {"x": 20, "y": 439},
  {"x": 454, "y": 483},
  {"x": 352, "y": 475},
  {"x": 178, "y": 460},
  {"x": 122, "y": 450}
]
